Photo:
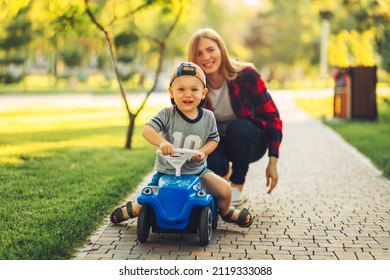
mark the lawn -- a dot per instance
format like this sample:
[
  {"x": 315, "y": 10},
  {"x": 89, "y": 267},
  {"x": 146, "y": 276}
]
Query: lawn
[
  {"x": 371, "y": 138},
  {"x": 61, "y": 171}
]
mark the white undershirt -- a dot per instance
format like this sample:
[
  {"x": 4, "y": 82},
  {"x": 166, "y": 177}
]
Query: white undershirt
[{"x": 222, "y": 107}]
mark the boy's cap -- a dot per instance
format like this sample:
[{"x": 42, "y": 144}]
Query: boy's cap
[{"x": 189, "y": 69}]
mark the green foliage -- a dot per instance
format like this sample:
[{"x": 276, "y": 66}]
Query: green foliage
[
  {"x": 383, "y": 46},
  {"x": 281, "y": 37},
  {"x": 72, "y": 57},
  {"x": 102, "y": 61},
  {"x": 363, "y": 16},
  {"x": 125, "y": 58},
  {"x": 7, "y": 78},
  {"x": 14, "y": 60},
  {"x": 71, "y": 19},
  {"x": 281, "y": 32},
  {"x": 352, "y": 49},
  {"x": 125, "y": 39},
  {"x": 18, "y": 31},
  {"x": 367, "y": 14},
  {"x": 18, "y": 34}
]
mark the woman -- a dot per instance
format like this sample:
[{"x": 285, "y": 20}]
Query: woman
[{"x": 247, "y": 118}]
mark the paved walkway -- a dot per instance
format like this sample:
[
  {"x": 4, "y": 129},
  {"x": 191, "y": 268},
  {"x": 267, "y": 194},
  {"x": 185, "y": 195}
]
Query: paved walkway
[{"x": 330, "y": 204}]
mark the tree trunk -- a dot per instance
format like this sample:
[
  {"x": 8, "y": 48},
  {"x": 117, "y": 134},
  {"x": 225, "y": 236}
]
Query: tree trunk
[{"x": 130, "y": 131}]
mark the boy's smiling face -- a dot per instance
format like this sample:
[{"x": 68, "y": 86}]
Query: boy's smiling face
[{"x": 187, "y": 92}]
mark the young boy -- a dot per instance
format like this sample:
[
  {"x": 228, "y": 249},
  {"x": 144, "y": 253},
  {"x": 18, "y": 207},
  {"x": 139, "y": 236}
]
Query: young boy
[{"x": 187, "y": 125}]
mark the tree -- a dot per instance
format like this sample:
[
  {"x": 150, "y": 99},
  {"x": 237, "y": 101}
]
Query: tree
[
  {"x": 364, "y": 17},
  {"x": 160, "y": 42},
  {"x": 68, "y": 30},
  {"x": 127, "y": 51},
  {"x": 383, "y": 47},
  {"x": 373, "y": 16},
  {"x": 282, "y": 35},
  {"x": 18, "y": 36}
]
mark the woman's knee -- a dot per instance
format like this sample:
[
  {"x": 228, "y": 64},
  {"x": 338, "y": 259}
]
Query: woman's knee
[
  {"x": 240, "y": 131},
  {"x": 246, "y": 139},
  {"x": 216, "y": 164}
]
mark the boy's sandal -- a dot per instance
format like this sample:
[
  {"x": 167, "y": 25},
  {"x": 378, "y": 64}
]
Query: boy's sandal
[
  {"x": 122, "y": 213},
  {"x": 241, "y": 220}
]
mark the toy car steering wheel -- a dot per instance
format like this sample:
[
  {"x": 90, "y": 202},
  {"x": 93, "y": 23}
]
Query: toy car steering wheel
[{"x": 179, "y": 158}]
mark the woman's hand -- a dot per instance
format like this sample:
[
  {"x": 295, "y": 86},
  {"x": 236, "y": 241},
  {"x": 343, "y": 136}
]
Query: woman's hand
[{"x": 271, "y": 174}]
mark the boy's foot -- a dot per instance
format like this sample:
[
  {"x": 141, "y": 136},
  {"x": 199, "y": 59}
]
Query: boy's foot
[
  {"x": 238, "y": 197},
  {"x": 243, "y": 218},
  {"x": 122, "y": 213}
]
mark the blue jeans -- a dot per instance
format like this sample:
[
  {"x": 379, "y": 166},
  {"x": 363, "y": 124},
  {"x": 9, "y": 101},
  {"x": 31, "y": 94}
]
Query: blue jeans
[{"x": 243, "y": 144}]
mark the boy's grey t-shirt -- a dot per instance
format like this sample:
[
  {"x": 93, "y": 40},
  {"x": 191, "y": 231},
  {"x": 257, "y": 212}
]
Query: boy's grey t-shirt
[{"x": 183, "y": 132}]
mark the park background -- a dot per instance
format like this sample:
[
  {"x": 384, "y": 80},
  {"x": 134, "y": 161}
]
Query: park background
[{"x": 64, "y": 167}]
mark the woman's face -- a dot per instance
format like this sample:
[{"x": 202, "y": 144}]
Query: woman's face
[{"x": 208, "y": 56}]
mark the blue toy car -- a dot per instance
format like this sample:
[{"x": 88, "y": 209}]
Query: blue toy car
[{"x": 180, "y": 204}]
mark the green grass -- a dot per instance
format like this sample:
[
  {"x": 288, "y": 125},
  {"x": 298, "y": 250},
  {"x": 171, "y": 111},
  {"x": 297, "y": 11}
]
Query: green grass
[
  {"x": 61, "y": 172},
  {"x": 371, "y": 138}
]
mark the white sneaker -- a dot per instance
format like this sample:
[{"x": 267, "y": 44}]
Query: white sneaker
[{"x": 238, "y": 197}]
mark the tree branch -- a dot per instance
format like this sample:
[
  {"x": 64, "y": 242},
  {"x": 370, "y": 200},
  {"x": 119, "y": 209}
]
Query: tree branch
[
  {"x": 112, "y": 53},
  {"x": 161, "y": 45}
]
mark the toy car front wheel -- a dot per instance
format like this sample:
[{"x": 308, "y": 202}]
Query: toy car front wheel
[
  {"x": 143, "y": 223},
  {"x": 205, "y": 226},
  {"x": 215, "y": 220}
]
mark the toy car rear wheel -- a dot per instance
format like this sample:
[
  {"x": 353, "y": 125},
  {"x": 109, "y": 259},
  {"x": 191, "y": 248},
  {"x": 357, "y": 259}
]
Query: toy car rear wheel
[
  {"x": 205, "y": 226},
  {"x": 143, "y": 223}
]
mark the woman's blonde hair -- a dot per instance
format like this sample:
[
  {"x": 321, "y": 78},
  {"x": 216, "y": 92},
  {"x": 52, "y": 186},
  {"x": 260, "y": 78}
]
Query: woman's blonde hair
[{"x": 229, "y": 68}]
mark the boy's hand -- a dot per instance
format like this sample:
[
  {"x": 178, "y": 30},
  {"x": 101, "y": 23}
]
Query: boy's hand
[
  {"x": 166, "y": 148},
  {"x": 199, "y": 158}
]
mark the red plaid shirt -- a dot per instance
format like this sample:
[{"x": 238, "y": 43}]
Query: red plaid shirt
[{"x": 250, "y": 100}]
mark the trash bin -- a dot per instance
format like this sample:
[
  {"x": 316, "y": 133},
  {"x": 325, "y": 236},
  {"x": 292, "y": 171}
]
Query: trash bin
[
  {"x": 355, "y": 93},
  {"x": 363, "y": 92}
]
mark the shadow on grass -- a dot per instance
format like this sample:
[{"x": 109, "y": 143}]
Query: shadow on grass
[{"x": 22, "y": 137}]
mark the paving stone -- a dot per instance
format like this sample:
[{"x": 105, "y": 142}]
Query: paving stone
[
  {"x": 282, "y": 257},
  {"x": 323, "y": 257}
]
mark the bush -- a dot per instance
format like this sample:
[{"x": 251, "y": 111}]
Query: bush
[
  {"x": 72, "y": 58},
  {"x": 8, "y": 78}
]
